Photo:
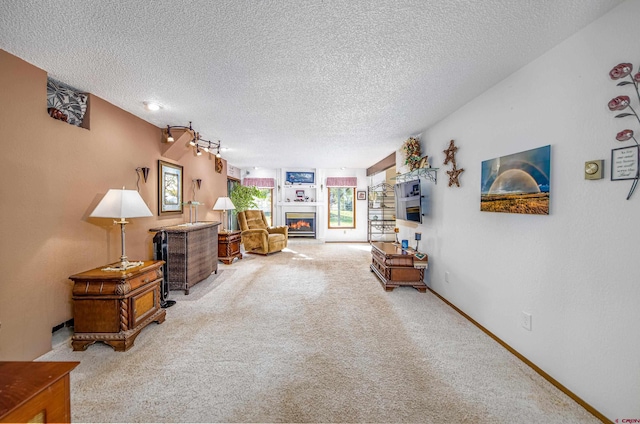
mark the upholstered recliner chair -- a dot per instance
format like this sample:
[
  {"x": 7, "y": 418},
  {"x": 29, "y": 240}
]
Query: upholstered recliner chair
[{"x": 257, "y": 237}]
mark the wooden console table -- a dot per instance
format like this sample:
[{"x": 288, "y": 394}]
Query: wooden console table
[
  {"x": 35, "y": 392},
  {"x": 229, "y": 246},
  {"x": 192, "y": 253},
  {"x": 114, "y": 306},
  {"x": 396, "y": 267}
]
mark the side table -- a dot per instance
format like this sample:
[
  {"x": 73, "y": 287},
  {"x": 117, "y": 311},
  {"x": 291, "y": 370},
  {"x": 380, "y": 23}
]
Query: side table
[
  {"x": 114, "y": 306},
  {"x": 397, "y": 267},
  {"x": 35, "y": 392},
  {"x": 229, "y": 246}
]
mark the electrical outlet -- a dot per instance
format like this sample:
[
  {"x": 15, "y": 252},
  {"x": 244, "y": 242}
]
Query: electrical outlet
[
  {"x": 525, "y": 320},
  {"x": 446, "y": 276}
]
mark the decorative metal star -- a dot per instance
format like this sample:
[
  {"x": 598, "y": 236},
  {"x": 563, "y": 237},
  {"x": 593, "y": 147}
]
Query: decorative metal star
[
  {"x": 451, "y": 154},
  {"x": 453, "y": 176}
]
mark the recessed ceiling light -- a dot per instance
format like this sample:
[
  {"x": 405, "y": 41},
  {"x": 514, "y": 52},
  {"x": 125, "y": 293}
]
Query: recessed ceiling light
[{"x": 152, "y": 106}]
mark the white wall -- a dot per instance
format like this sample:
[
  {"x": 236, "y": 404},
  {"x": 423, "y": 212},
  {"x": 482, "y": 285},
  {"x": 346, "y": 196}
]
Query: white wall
[{"x": 576, "y": 270}]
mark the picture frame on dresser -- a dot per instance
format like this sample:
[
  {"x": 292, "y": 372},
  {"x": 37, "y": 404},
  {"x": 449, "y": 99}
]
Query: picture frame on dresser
[{"x": 169, "y": 188}]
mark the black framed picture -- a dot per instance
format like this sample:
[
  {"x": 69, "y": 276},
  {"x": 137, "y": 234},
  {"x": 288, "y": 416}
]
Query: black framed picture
[
  {"x": 169, "y": 188},
  {"x": 361, "y": 195},
  {"x": 624, "y": 163}
]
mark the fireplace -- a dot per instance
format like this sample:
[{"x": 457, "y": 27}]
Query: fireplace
[{"x": 301, "y": 224}]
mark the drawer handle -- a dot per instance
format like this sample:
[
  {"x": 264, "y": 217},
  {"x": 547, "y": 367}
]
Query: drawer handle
[{"x": 146, "y": 280}]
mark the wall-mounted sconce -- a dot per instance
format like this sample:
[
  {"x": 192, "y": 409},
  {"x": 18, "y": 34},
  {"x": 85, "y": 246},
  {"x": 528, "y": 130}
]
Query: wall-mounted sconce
[
  {"x": 196, "y": 140},
  {"x": 195, "y": 183},
  {"x": 145, "y": 174}
]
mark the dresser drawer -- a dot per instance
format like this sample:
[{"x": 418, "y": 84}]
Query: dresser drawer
[
  {"x": 144, "y": 304},
  {"x": 145, "y": 278}
]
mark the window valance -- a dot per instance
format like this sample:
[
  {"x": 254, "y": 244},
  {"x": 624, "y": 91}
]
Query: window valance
[
  {"x": 342, "y": 181},
  {"x": 259, "y": 182}
]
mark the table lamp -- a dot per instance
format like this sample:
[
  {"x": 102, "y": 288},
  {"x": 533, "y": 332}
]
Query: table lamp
[
  {"x": 418, "y": 238},
  {"x": 224, "y": 204},
  {"x": 122, "y": 204}
]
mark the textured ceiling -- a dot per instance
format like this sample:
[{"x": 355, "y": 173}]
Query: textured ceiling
[{"x": 320, "y": 83}]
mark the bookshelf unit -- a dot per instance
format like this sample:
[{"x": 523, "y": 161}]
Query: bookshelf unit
[{"x": 381, "y": 218}]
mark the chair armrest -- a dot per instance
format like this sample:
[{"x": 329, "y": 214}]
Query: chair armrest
[{"x": 279, "y": 230}]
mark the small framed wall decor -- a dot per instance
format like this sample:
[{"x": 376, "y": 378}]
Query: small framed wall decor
[
  {"x": 169, "y": 188},
  {"x": 362, "y": 195},
  {"x": 624, "y": 163}
]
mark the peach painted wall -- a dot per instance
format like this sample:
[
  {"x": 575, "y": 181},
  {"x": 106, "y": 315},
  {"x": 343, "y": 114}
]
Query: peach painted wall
[{"x": 53, "y": 175}]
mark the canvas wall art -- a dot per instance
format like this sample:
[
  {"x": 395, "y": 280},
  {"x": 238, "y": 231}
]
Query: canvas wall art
[{"x": 517, "y": 183}]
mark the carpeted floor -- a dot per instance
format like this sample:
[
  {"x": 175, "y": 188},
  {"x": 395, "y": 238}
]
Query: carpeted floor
[{"x": 309, "y": 335}]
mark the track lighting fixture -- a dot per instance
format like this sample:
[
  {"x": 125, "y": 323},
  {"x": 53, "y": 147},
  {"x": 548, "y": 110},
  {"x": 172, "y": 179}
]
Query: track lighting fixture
[{"x": 196, "y": 141}]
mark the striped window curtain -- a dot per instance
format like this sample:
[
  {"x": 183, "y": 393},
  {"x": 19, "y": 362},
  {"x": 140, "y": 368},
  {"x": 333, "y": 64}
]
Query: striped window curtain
[
  {"x": 342, "y": 181},
  {"x": 259, "y": 182}
]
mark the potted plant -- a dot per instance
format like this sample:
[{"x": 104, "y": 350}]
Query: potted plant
[{"x": 243, "y": 197}]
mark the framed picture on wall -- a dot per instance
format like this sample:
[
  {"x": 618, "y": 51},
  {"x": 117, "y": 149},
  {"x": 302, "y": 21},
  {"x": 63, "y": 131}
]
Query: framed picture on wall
[
  {"x": 362, "y": 195},
  {"x": 517, "y": 183},
  {"x": 169, "y": 188},
  {"x": 624, "y": 163}
]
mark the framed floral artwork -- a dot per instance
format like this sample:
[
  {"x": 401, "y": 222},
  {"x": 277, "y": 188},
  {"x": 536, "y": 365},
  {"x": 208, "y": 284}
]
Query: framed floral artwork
[{"x": 169, "y": 188}]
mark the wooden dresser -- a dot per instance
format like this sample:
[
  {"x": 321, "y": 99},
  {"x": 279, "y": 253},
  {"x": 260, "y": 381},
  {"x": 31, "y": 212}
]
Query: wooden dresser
[
  {"x": 35, "y": 392},
  {"x": 114, "y": 306},
  {"x": 229, "y": 246},
  {"x": 192, "y": 253},
  {"x": 396, "y": 267}
]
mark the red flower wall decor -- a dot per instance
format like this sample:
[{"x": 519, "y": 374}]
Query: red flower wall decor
[{"x": 620, "y": 103}]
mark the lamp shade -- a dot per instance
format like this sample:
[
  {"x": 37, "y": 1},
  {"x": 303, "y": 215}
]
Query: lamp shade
[
  {"x": 121, "y": 204},
  {"x": 223, "y": 204}
]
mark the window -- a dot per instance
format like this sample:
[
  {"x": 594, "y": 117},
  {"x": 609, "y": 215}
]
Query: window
[
  {"x": 342, "y": 208},
  {"x": 266, "y": 204},
  {"x": 231, "y": 214},
  {"x": 265, "y": 201}
]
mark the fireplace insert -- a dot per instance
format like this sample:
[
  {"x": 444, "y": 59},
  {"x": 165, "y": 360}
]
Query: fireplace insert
[{"x": 301, "y": 224}]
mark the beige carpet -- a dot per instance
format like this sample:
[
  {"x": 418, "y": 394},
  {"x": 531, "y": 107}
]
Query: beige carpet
[{"x": 309, "y": 335}]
